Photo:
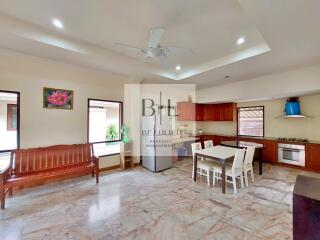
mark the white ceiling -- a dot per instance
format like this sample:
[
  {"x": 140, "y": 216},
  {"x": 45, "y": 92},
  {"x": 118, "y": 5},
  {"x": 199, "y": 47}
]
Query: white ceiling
[{"x": 279, "y": 35}]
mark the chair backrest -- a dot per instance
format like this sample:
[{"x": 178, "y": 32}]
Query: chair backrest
[
  {"x": 247, "y": 163},
  {"x": 238, "y": 162},
  {"x": 208, "y": 144},
  {"x": 194, "y": 147},
  {"x": 45, "y": 158}
]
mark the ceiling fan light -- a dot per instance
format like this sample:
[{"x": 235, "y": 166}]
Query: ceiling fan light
[{"x": 178, "y": 67}]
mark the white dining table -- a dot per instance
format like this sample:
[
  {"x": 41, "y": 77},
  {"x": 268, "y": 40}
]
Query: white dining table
[{"x": 220, "y": 154}]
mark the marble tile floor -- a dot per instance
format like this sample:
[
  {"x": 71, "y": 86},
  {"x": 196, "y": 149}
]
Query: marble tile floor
[{"x": 139, "y": 204}]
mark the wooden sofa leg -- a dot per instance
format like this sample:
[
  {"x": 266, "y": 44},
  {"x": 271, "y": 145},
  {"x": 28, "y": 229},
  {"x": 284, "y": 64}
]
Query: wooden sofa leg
[
  {"x": 10, "y": 192},
  {"x": 2, "y": 198},
  {"x": 92, "y": 174},
  {"x": 97, "y": 176}
]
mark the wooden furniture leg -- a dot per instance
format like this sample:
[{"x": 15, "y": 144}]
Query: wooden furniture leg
[
  {"x": 260, "y": 162},
  {"x": 195, "y": 167},
  {"x": 2, "y": 197},
  {"x": 10, "y": 192},
  {"x": 97, "y": 177},
  {"x": 223, "y": 177}
]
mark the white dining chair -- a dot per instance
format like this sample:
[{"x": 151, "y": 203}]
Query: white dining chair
[
  {"x": 235, "y": 171},
  {"x": 204, "y": 166},
  {"x": 208, "y": 144},
  {"x": 247, "y": 164}
]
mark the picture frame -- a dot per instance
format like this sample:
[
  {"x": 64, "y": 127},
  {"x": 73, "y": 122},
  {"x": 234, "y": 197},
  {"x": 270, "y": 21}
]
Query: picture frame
[{"x": 56, "y": 98}]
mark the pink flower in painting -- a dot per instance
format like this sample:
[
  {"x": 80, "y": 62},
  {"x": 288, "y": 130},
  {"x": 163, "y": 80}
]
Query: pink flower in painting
[{"x": 58, "y": 98}]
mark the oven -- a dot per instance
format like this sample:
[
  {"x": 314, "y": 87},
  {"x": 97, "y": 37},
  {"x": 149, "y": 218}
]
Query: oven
[{"x": 292, "y": 154}]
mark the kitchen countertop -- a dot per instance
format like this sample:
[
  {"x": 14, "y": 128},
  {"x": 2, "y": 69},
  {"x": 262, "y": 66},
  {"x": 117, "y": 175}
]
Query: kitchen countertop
[
  {"x": 307, "y": 187},
  {"x": 260, "y": 138},
  {"x": 184, "y": 139}
]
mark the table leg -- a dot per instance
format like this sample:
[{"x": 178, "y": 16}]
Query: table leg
[
  {"x": 260, "y": 162},
  {"x": 224, "y": 177},
  {"x": 195, "y": 159}
]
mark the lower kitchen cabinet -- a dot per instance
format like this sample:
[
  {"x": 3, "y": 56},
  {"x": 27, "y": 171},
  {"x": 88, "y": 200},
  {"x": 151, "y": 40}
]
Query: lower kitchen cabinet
[
  {"x": 270, "y": 151},
  {"x": 313, "y": 157}
]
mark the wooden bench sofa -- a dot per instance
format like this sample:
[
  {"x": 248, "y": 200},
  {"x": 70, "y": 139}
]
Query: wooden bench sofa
[{"x": 39, "y": 164}]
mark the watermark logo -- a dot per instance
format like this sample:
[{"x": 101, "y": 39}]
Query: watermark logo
[{"x": 150, "y": 107}]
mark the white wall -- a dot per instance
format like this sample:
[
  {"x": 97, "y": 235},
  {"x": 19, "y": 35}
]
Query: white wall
[{"x": 44, "y": 127}]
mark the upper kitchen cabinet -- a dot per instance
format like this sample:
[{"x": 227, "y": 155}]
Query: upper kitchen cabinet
[
  {"x": 199, "y": 112},
  {"x": 206, "y": 112},
  {"x": 186, "y": 111},
  {"x": 228, "y": 112}
]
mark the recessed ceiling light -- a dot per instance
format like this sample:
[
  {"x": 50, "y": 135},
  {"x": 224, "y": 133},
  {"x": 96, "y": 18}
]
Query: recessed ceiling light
[
  {"x": 240, "y": 41},
  {"x": 57, "y": 23},
  {"x": 178, "y": 68}
]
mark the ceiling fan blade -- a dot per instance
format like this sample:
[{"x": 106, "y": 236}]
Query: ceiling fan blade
[
  {"x": 129, "y": 46},
  {"x": 179, "y": 49},
  {"x": 155, "y": 37}
]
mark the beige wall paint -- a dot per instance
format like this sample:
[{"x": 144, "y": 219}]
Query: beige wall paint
[
  {"x": 45, "y": 127},
  {"x": 219, "y": 128},
  {"x": 278, "y": 127}
]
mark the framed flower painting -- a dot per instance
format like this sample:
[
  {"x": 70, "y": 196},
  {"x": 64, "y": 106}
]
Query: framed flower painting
[{"x": 57, "y": 98}]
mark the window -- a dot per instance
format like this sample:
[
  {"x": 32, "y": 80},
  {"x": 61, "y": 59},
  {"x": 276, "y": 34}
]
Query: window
[
  {"x": 251, "y": 121},
  {"x": 104, "y": 126},
  {"x": 9, "y": 121}
]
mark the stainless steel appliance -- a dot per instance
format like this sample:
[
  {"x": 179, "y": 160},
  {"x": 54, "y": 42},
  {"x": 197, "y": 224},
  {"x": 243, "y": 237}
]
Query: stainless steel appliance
[
  {"x": 292, "y": 153},
  {"x": 156, "y": 144}
]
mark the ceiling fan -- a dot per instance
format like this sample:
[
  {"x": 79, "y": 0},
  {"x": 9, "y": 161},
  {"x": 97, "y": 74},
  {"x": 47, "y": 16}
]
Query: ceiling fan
[{"x": 154, "y": 49}]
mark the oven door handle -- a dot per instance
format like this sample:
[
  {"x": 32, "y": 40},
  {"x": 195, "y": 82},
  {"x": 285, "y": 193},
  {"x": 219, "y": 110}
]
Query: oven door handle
[{"x": 291, "y": 150}]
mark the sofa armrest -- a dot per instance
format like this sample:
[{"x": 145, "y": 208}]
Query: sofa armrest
[
  {"x": 95, "y": 161},
  {"x": 4, "y": 174}
]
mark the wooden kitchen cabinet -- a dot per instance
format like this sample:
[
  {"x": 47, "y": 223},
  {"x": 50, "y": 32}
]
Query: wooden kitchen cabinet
[
  {"x": 206, "y": 112},
  {"x": 229, "y": 112},
  {"x": 270, "y": 151},
  {"x": 199, "y": 112},
  {"x": 186, "y": 111},
  {"x": 313, "y": 157}
]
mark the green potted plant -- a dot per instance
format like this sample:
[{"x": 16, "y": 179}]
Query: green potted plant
[
  {"x": 112, "y": 132},
  {"x": 125, "y": 134}
]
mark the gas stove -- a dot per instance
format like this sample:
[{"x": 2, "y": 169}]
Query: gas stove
[{"x": 297, "y": 140}]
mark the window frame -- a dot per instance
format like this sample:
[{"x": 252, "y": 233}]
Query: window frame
[
  {"x": 263, "y": 129},
  {"x": 120, "y": 123},
  {"x": 18, "y": 119}
]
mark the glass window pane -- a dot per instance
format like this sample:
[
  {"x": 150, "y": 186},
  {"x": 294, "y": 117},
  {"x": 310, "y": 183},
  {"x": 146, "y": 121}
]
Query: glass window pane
[
  {"x": 8, "y": 121},
  {"x": 104, "y": 121},
  {"x": 251, "y": 121},
  {"x": 102, "y": 149},
  {"x": 4, "y": 160}
]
